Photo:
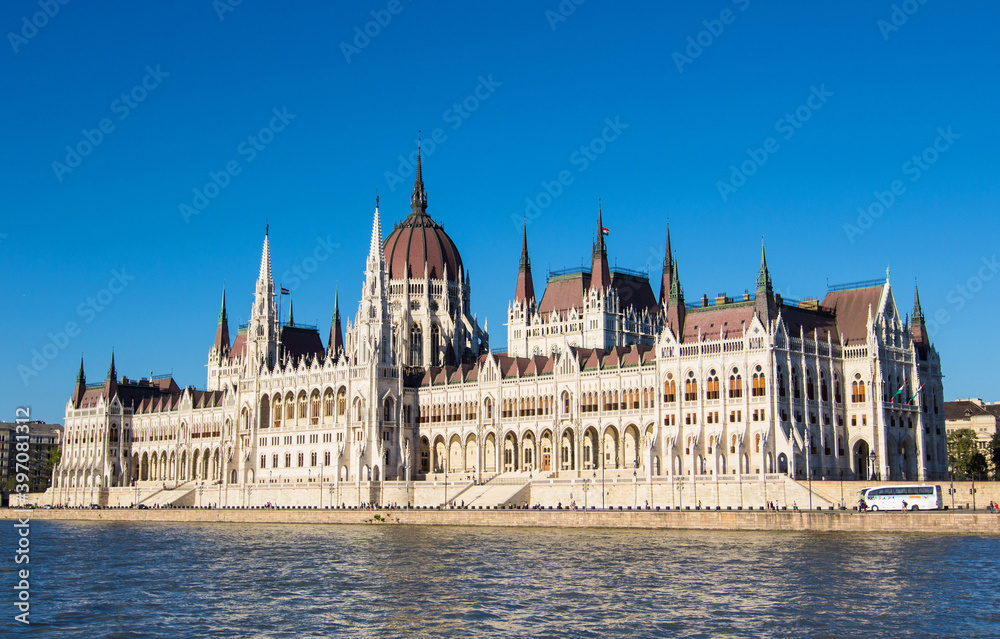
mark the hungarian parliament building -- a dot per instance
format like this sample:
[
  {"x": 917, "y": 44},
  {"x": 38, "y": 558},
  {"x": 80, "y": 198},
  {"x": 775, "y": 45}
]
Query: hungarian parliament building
[{"x": 602, "y": 376}]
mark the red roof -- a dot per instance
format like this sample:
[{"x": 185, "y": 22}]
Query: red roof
[
  {"x": 419, "y": 240},
  {"x": 851, "y": 307}
]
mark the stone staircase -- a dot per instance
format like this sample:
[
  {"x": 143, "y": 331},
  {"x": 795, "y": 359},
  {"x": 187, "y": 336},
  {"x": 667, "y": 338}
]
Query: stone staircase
[
  {"x": 181, "y": 495},
  {"x": 502, "y": 489}
]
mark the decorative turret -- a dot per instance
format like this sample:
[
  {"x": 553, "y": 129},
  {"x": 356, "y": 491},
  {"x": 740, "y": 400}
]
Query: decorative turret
[
  {"x": 764, "y": 304},
  {"x": 675, "y": 304},
  {"x": 291, "y": 313},
  {"x": 418, "y": 198},
  {"x": 222, "y": 343},
  {"x": 918, "y": 329},
  {"x": 81, "y": 386},
  {"x": 111, "y": 383},
  {"x": 668, "y": 272},
  {"x": 600, "y": 275},
  {"x": 262, "y": 334},
  {"x": 336, "y": 343},
  {"x": 525, "y": 287}
]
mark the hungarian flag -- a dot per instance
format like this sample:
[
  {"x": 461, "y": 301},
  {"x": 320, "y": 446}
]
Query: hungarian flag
[
  {"x": 605, "y": 230},
  {"x": 901, "y": 389},
  {"x": 915, "y": 394},
  {"x": 285, "y": 291}
]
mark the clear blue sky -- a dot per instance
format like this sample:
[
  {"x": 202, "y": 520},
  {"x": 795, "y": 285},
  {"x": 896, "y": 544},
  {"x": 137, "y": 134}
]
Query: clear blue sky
[{"x": 547, "y": 86}]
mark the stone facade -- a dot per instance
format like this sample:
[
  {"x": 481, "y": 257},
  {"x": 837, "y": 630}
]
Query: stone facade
[{"x": 601, "y": 379}]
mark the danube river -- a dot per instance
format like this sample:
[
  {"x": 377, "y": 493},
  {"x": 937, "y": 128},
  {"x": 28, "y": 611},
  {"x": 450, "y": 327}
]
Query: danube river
[{"x": 93, "y": 579}]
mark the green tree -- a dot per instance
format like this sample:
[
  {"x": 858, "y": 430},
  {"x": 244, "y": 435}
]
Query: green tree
[
  {"x": 961, "y": 448},
  {"x": 977, "y": 466}
]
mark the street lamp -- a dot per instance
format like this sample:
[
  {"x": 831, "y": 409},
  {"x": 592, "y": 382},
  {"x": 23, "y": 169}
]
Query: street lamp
[
  {"x": 586, "y": 487},
  {"x": 842, "y": 505},
  {"x": 332, "y": 488},
  {"x": 635, "y": 489},
  {"x": 809, "y": 467},
  {"x": 872, "y": 457},
  {"x": 951, "y": 474}
]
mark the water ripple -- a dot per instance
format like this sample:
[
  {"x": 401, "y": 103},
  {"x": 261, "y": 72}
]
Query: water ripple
[{"x": 93, "y": 579}]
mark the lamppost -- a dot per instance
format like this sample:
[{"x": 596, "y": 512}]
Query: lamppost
[
  {"x": 842, "y": 505},
  {"x": 332, "y": 488},
  {"x": 586, "y": 487},
  {"x": 635, "y": 489},
  {"x": 446, "y": 482},
  {"x": 603, "y": 463},
  {"x": 680, "y": 492},
  {"x": 809, "y": 467},
  {"x": 873, "y": 457},
  {"x": 951, "y": 474}
]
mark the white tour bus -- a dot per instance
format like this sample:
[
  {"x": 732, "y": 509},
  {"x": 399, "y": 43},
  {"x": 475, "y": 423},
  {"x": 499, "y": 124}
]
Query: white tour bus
[{"x": 921, "y": 497}]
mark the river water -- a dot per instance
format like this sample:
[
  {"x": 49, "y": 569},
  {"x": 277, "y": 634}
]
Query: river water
[{"x": 92, "y": 579}]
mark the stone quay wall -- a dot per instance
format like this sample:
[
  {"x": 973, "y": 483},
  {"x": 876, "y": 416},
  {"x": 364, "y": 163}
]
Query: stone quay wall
[{"x": 956, "y": 522}]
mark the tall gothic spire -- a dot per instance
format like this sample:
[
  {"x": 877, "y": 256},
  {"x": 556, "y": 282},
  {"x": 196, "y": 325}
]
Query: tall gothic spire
[
  {"x": 336, "y": 342},
  {"x": 668, "y": 271},
  {"x": 764, "y": 304},
  {"x": 918, "y": 329},
  {"x": 222, "y": 342},
  {"x": 418, "y": 199},
  {"x": 676, "y": 311},
  {"x": 525, "y": 292},
  {"x": 918, "y": 311},
  {"x": 291, "y": 314},
  {"x": 81, "y": 386},
  {"x": 112, "y": 373},
  {"x": 265, "y": 258},
  {"x": 375, "y": 255},
  {"x": 600, "y": 276}
]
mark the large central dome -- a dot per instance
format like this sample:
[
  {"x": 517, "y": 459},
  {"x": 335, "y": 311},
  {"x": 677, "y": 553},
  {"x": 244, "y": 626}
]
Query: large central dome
[{"x": 419, "y": 240}]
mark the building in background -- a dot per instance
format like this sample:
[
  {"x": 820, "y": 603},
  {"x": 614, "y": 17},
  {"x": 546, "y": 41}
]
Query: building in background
[{"x": 39, "y": 441}]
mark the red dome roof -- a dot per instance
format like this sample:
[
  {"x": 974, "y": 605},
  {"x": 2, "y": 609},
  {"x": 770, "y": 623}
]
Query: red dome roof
[{"x": 419, "y": 240}]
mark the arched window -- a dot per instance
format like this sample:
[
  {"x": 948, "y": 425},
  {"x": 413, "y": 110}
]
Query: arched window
[
  {"x": 416, "y": 345},
  {"x": 712, "y": 386},
  {"x": 796, "y": 387},
  {"x": 567, "y": 398},
  {"x": 810, "y": 386},
  {"x": 824, "y": 387},
  {"x": 341, "y": 401},
  {"x": 690, "y": 388},
  {"x": 759, "y": 385},
  {"x": 302, "y": 407},
  {"x": 836, "y": 388},
  {"x": 781, "y": 382},
  {"x": 669, "y": 390},
  {"x": 435, "y": 345},
  {"x": 328, "y": 403},
  {"x": 314, "y": 407},
  {"x": 387, "y": 412},
  {"x": 276, "y": 410},
  {"x": 735, "y": 385},
  {"x": 289, "y": 408}
]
